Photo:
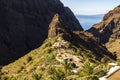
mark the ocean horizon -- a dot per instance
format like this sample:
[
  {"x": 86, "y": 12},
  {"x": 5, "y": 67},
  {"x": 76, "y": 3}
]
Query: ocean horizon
[{"x": 87, "y": 21}]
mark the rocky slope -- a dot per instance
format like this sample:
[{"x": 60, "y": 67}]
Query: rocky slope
[
  {"x": 107, "y": 31},
  {"x": 24, "y": 25},
  {"x": 65, "y": 54}
]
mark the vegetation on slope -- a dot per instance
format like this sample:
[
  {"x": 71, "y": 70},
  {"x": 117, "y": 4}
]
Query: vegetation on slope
[
  {"x": 41, "y": 64},
  {"x": 65, "y": 55},
  {"x": 107, "y": 32}
]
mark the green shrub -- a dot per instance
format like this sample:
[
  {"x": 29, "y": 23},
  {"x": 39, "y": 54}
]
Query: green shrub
[
  {"x": 37, "y": 76},
  {"x": 3, "y": 78},
  {"x": 42, "y": 69},
  {"x": 12, "y": 78},
  {"x": 58, "y": 75},
  {"x": 118, "y": 61},
  {"x": 51, "y": 70},
  {"x": 73, "y": 65},
  {"x": 47, "y": 50},
  {"x": 90, "y": 78},
  {"x": 20, "y": 69},
  {"x": 104, "y": 60},
  {"x": 26, "y": 79},
  {"x": 67, "y": 45},
  {"x": 68, "y": 65},
  {"x": 87, "y": 68},
  {"x": 29, "y": 58},
  {"x": 48, "y": 44},
  {"x": 99, "y": 72}
]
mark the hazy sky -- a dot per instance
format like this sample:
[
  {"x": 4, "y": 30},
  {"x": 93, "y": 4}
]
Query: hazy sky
[{"x": 91, "y": 6}]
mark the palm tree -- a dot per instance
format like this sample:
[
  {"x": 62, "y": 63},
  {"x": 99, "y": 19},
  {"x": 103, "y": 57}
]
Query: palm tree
[{"x": 67, "y": 67}]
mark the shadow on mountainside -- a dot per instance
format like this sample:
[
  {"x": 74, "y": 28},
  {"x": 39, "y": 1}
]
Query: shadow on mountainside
[{"x": 24, "y": 25}]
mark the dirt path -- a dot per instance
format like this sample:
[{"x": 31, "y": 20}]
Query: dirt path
[{"x": 115, "y": 76}]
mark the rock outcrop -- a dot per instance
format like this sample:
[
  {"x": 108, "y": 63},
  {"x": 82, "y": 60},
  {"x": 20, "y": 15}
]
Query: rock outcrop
[
  {"x": 107, "y": 31},
  {"x": 52, "y": 31},
  {"x": 62, "y": 49},
  {"x": 81, "y": 39},
  {"x": 24, "y": 25}
]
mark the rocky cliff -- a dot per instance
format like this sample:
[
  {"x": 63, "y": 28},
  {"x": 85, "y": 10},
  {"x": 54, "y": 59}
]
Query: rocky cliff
[
  {"x": 64, "y": 50},
  {"x": 107, "y": 31},
  {"x": 24, "y": 25},
  {"x": 81, "y": 39}
]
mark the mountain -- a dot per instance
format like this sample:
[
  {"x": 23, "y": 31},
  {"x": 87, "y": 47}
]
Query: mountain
[
  {"x": 24, "y": 25},
  {"x": 108, "y": 30},
  {"x": 87, "y": 21},
  {"x": 65, "y": 54},
  {"x": 50, "y": 43}
]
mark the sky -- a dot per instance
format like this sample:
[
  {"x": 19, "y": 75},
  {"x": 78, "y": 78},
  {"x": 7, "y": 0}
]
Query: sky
[{"x": 91, "y": 7}]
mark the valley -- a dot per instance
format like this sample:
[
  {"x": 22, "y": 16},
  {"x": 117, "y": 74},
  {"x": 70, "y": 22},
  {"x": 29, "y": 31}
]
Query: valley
[{"x": 43, "y": 40}]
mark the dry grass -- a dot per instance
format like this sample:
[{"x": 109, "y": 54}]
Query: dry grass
[{"x": 114, "y": 46}]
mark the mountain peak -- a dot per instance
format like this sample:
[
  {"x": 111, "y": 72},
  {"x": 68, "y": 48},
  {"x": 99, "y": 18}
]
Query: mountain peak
[
  {"x": 24, "y": 25},
  {"x": 108, "y": 30},
  {"x": 52, "y": 32},
  {"x": 113, "y": 13}
]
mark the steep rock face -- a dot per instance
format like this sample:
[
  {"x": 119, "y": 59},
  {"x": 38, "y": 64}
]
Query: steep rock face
[
  {"x": 81, "y": 39},
  {"x": 24, "y": 25},
  {"x": 52, "y": 31},
  {"x": 57, "y": 27},
  {"x": 62, "y": 45},
  {"x": 108, "y": 30}
]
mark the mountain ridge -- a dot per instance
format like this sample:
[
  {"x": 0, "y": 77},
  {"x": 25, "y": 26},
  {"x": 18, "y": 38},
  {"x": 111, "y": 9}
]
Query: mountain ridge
[
  {"x": 107, "y": 31},
  {"x": 66, "y": 52},
  {"x": 24, "y": 25}
]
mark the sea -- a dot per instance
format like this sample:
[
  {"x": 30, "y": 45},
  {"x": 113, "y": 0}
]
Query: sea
[{"x": 87, "y": 21}]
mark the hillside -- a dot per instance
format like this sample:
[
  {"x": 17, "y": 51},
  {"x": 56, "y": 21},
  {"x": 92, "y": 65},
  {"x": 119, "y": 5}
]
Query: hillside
[
  {"x": 108, "y": 30},
  {"x": 43, "y": 40},
  {"x": 24, "y": 25},
  {"x": 63, "y": 55}
]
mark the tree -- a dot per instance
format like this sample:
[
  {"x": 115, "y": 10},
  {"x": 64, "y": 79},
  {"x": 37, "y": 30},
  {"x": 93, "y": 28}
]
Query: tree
[
  {"x": 68, "y": 66},
  {"x": 58, "y": 75},
  {"x": 86, "y": 70}
]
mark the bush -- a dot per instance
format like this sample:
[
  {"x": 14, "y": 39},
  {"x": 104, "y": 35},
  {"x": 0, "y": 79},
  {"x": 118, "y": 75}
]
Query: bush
[
  {"x": 51, "y": 70},
  {"x": 20, "y": 69},
  {"x": 29, "y": 58},
  {"x": 36, "y": 76},
  {"x": 87, "y": 68},
  {"x": 12, "y": 78},
  {"x": 48, "y": 44},
  {"x": 92, "y": 77},
  {"x": 25, "y": 79},
  {"x": 47, "y": 50},
  {"x": 99, "y": 73},
  {"x": 58, "y": 75},
  {"x": 73, "y": 65},
  {"x": 42, "y": 69},
  {"x": 3, "y": 78},
  {"x": 104, "y": 60},
  {"x": 118, "y": 61}
]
